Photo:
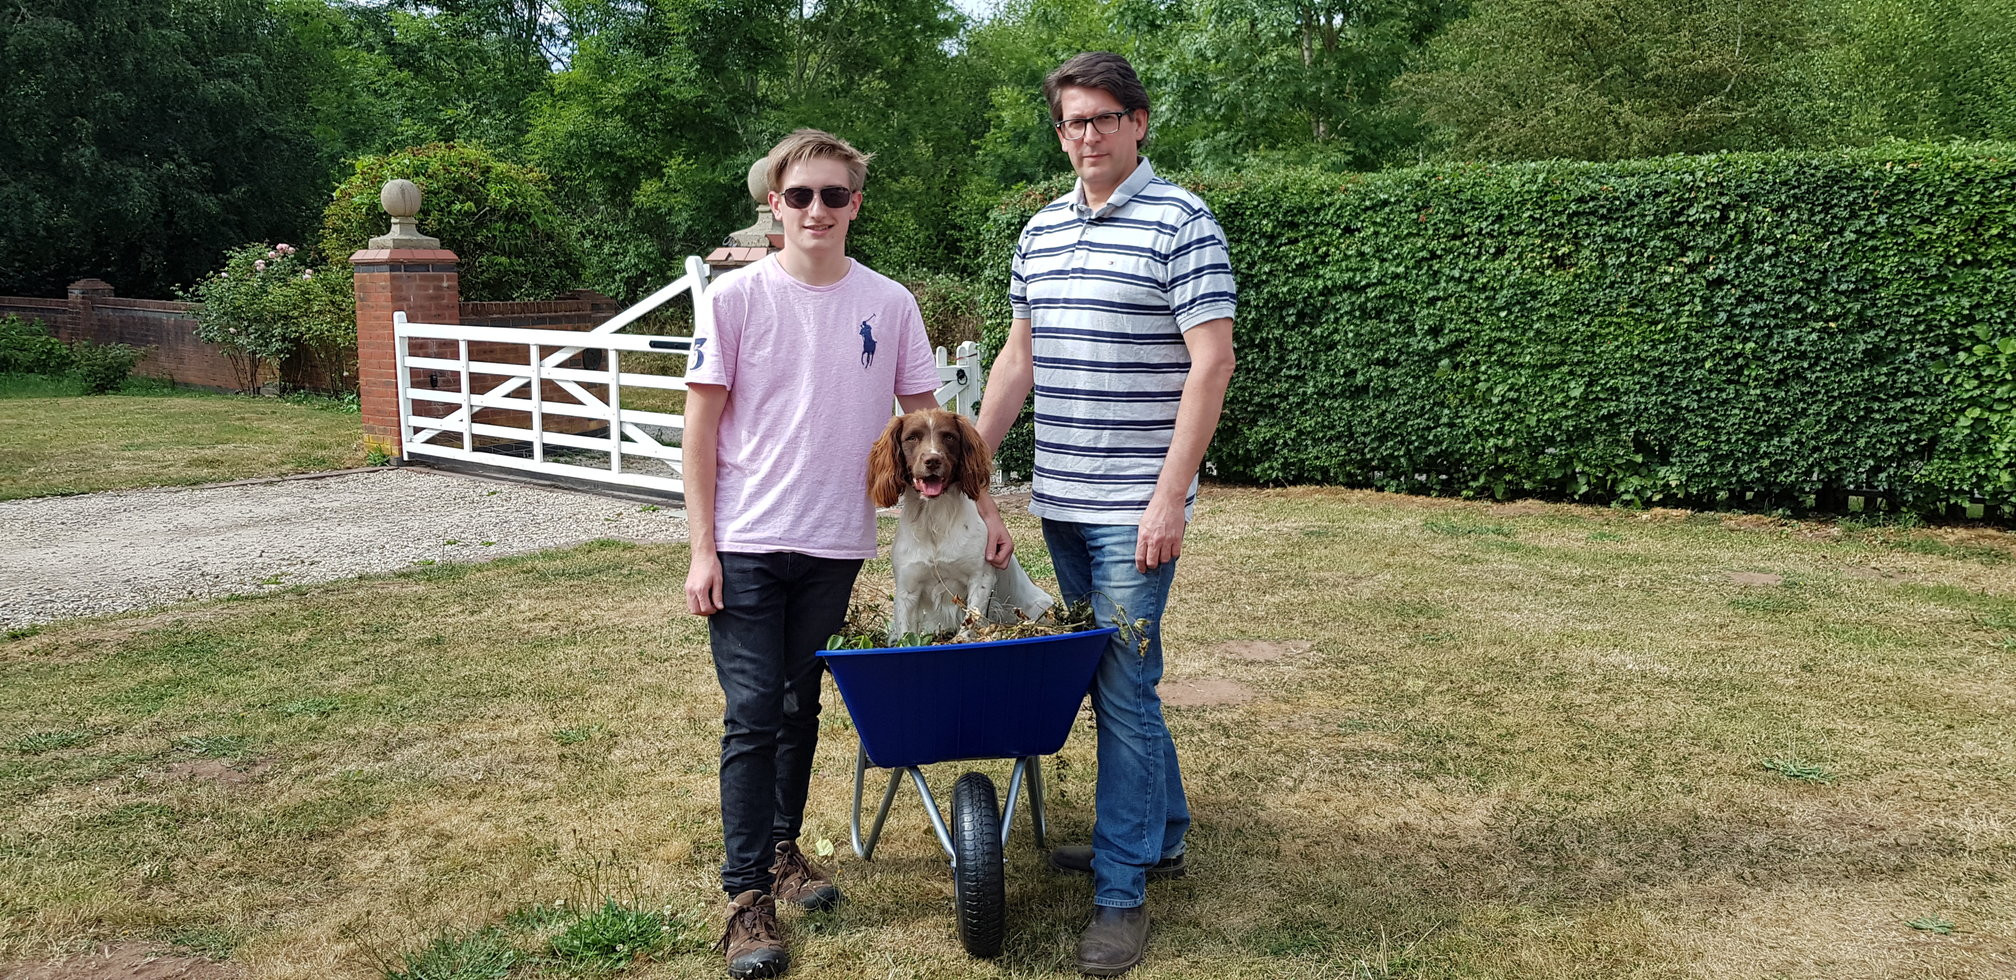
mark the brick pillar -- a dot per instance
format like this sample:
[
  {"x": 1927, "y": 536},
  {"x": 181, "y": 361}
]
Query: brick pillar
[
  {"x": 423, "y": 283},
  {"x": 83, "y": 312}
]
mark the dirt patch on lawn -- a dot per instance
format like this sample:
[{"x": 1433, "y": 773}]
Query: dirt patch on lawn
[
  {"x": 1264, "y": 650},
  {"x": 1756, "y": 578},
  {"x": 123, "y": 961},
  {"x": 214, "y": 771},
  {"x": 1205, "y": 692}
]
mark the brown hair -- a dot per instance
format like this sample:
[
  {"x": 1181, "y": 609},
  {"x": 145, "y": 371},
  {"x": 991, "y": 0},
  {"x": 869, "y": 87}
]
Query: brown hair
[
  {"x": 813, "y": 144},
  {"x": 1102, "y": 70}
]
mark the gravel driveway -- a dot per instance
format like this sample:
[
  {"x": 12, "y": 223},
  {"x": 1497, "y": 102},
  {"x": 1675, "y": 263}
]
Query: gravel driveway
[{"x": 110, "y": 552}]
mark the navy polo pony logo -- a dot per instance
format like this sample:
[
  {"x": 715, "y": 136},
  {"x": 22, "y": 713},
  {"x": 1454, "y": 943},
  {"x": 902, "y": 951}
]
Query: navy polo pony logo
[{"x": 867, "y": 343}]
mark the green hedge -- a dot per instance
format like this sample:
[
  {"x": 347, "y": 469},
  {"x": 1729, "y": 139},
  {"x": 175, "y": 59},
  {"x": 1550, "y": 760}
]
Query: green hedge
[{"x": 1786, "y": 327}]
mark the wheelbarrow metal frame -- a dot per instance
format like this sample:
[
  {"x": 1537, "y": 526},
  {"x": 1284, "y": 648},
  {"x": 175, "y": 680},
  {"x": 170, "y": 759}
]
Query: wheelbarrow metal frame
[{"x": 1028, "y": 770}]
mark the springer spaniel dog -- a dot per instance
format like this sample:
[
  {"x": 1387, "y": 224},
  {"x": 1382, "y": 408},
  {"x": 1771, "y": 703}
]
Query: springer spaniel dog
[{"x": 934, "y": 462}]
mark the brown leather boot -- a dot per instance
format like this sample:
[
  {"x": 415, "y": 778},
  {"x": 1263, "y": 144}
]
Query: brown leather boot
[
  {"x": 798, "y": 881},
  {"x": 1114, "y": 942},
  {"x": 752, "y": 941}
]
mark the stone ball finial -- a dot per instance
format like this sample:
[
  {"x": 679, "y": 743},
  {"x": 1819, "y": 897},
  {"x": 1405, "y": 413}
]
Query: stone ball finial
[
  {"x": 766, "y": 231},
  {"x": 400, "y": 198}
]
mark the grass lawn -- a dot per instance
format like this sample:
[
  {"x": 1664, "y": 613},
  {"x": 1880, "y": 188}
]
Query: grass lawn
[
  {"x": 1439, "y": 739},
  {"x": 58, "y": 442}
]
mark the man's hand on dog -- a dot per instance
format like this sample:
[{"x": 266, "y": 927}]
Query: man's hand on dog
[{"x": 1000, "y": 545}]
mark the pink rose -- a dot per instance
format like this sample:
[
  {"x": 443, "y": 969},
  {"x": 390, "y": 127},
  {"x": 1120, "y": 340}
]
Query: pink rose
[{"x": 260, "y": 265}]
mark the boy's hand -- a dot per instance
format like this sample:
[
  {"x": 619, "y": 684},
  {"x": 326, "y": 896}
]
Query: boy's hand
[
  {"x": 703, "y": 585},
  {"x": 1000, "y": 544}
]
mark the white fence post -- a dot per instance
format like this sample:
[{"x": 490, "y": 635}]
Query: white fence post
[{"x": 960, "y": 378}]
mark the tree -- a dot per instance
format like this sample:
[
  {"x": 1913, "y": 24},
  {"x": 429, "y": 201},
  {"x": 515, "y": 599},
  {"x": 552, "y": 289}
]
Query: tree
[
  {"x": 1608, "y": 79},
  {"x": 666, "y": 103},
  {"x": 1923, "y": 69},
  {"x": 1012, "y": 52},
  {"x": 140, "y": 139},
  {"x": 459, "y": 71},
  {"x": 1245, "y": 82}
]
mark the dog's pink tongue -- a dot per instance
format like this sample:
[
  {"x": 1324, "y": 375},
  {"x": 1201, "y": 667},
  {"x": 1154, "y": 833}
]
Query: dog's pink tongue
[{"x": 929, "y": 486}]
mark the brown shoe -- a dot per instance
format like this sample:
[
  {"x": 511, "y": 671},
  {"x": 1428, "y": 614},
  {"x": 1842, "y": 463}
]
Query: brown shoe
[
  {"x": 799, "y": 881},
  {"x": 1114, "y": 941},
  {"x": 754, "y": 946}
]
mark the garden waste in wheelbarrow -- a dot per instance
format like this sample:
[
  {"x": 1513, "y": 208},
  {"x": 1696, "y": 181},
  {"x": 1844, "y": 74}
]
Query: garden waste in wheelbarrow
[{"x": 1005, "y": 699}]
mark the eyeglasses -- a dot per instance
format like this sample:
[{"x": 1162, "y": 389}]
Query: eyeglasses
[
  {"x": 1105, "y": 122},
  {"x": 833, "y": 196}
]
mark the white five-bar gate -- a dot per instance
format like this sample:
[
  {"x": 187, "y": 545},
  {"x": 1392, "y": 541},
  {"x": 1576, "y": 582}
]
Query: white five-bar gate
[{"x": 498, "y": 404}]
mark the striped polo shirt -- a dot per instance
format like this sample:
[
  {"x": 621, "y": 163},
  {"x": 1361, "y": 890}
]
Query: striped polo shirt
[{"x": 1108, "y": 294}]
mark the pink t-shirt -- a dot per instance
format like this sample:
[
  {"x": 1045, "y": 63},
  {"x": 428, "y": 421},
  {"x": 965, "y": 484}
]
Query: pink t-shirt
[{"x": 811, "y": 373}]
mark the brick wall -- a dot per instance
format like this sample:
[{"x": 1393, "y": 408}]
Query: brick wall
[
  {"x": 168, "y": 329},
  {"x": 579, "y": 310}
]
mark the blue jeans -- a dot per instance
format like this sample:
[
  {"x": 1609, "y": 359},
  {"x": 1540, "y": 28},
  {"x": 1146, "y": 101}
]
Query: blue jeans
[
  {"x": 777, "y": 609},
  {"x": 1140, "y": 814}
]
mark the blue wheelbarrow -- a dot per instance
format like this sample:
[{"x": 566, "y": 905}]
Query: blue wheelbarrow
[{"x": 1005, "y": 699}]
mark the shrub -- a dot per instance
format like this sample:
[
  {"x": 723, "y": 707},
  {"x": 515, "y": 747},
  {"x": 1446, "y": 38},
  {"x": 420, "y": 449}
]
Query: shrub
[
  {"x": 102, "y": 368},
  {"x": 1684, "y": 329},
  {"x": 27, "y": 348},
  {"x": 951, "y": 307},
  {"x": 498, "y": 218},
  {"x": 268, "y": 303}
]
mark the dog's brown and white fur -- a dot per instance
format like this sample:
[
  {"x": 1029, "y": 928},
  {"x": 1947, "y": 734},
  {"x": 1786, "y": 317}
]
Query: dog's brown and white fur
[{"x": 934, "y": 463}]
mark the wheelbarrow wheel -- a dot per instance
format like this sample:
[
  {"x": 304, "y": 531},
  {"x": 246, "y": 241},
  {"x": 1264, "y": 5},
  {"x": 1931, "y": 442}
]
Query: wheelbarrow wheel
[{"x": 979, "y": 879}]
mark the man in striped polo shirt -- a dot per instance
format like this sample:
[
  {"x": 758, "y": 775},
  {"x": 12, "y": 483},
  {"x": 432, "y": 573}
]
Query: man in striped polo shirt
[{"x": 1123, "y": 302}]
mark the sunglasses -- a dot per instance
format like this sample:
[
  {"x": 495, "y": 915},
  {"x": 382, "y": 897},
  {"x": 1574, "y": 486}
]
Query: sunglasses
[{"x": 833, "y": 196}]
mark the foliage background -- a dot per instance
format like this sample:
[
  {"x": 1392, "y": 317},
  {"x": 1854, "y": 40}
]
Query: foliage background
[
  {"x": 140, "y": 140},
  {"x": 497, "y": 217}
]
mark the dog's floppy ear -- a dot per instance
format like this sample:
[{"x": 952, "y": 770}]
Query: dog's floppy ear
[
  {"x": 976, "y": 464},
  {"x": 885, "y": 466}
]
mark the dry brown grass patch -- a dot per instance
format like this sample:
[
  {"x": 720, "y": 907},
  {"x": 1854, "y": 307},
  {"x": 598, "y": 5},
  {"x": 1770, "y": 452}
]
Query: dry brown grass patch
[
  {"x": 1264, "y": 651},
  {"x": 1204, "y": 692}
]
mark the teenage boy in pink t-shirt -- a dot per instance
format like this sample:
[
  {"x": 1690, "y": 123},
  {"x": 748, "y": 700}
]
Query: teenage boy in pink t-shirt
[{"x": 785, "y": 397}]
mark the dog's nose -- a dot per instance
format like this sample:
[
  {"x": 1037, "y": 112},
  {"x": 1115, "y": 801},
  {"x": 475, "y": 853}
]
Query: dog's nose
[{"x": 933, "y": 462}]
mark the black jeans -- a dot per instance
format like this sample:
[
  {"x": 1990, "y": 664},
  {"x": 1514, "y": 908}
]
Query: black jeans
[{"x": 777, "y": 609}]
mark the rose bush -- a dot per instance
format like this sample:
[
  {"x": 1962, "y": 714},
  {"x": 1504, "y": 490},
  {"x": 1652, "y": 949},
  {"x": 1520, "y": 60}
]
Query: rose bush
[{"x": 267, "y": 303}]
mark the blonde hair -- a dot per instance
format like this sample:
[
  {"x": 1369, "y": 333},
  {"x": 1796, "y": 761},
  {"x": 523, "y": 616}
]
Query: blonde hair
[{"x": 813, "y": 144}]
